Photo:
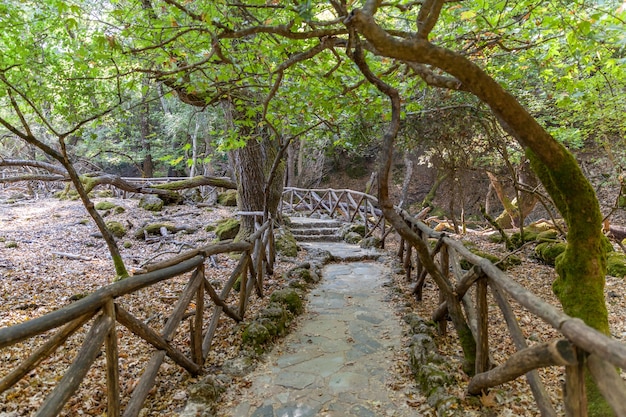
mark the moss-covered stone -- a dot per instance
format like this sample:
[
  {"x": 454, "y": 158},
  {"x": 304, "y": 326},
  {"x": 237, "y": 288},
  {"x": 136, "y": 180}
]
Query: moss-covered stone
[
  {"x": 207, "y": 391},
  {"x": 154, "y": 229},
  {"x": 151, "y": 203},
  {"x": 507, "y": 263},
  {"x": 128, "y": 245},
  {"x": 370, "y": 243},
  {"x": 616, "y": 264},
  {"x": 290, "y": 298},
  {"x": 228, "y": 198},
  {"x": 104, "y": 205},
  {"x": 275, "y": 318},
  {"x": 118, "y": 210},
  {"x": 227, "y": 228},
  {"x": 117, "y": 229},
  {"x": 548, "y": 236},
  {"x": 11, "y": 245},
  {"x": 209, "y": 228},
  {"x": 547, "y": 252},
  {"x": 621, "y": 201},
  {"x": 255, "y": 335},
  {"x": 517, "y": 241},
  {"x": 495, "y": 238},
  {"x": 286, "y": 243},
  {"x": 352, "y": 237}
]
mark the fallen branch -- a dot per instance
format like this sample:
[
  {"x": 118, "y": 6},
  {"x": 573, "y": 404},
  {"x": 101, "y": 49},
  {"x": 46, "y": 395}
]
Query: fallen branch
[{"x": 72, "y": 256}]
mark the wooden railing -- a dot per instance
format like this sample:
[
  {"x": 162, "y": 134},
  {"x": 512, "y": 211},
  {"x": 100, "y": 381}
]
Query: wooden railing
[
  {"x": 106, "y": 304},
  {"x": 581, "y": 346},
  {"x": 347, "y": 205}
]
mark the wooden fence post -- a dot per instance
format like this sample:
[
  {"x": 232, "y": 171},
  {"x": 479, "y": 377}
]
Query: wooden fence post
[
  {"x": 574, "y": 394},
  {"x": 113, "y": 370},
  {"x": 196, "y": 330},
  {"x": 444, "y": 260},
  {"x": 482, "y": 336}
]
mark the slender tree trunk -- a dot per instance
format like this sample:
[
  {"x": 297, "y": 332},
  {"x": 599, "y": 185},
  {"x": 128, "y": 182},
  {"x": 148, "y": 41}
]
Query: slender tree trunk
[{"x": 144, "y": 121}]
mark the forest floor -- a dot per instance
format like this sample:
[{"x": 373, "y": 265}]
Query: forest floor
[{"x": 37, "y": 277}]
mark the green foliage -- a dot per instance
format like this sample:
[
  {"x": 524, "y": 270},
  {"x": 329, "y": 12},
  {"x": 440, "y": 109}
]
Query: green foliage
[{"x": 616, "y": 264}]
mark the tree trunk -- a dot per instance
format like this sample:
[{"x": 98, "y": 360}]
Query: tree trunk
[
  {"x": 582, "y": 267},
  {"x": 147, "y": 166}
]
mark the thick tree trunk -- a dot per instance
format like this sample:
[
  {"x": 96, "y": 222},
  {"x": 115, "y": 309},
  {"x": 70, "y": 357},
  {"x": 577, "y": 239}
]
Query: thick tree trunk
[{"x": 582, "y": 267}]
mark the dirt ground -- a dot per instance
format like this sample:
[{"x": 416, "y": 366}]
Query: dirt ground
[{"x": 39, "y": 238}]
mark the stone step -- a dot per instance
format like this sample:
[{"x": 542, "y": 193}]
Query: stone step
[
  {"x": 307, "y": 223},
  {"x": 317, "y": 238},
  {"x": 315, "y": 231}
]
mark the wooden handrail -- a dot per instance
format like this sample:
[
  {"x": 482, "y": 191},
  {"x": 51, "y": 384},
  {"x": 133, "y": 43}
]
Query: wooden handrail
[{"x": 257, "y": 250}]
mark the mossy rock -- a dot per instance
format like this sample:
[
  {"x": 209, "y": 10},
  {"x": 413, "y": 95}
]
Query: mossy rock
[
  {"x": 154, "y": 229},
  {"x": 228, "y": 198},
  {"x": 127, "y": 245},
  {"x": 352, "y": 228},
  {"x": 547, "y": 252},
  {"x": 506, "y": 264},
  {"x": 290, "y": 298},
  {"x": 151, "y": 203},
  {"x": 495, "y": 238},
  {"x": 227, "y": 228},
  {"x": 209, "y": 228},
  {"x": 116, "y": 228},
  {"x": 286, "y": 243},
  {"x": 517, "y": 241},
  {"x": 621, "y": 201},
  {"x": 547, "y": 236},
  {"x": 352, "y": 237},
  {"x": 371, "y": 242},
  {"x": 275, "y": 318},
  {"x": 104, "y": 205},
  {"x": 118, "y": 210},
  {"x": 256, "y": 335},
  {"x": 304, "y": 274},
  {"x": 11, "y": 245},
  {"x": 616, "y": 264},
  {"x": 207, "y": 391},
  {"x": 105, "y": 193}
]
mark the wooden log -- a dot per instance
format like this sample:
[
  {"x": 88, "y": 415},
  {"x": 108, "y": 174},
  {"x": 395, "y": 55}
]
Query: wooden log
[
  {"x": 542, "y": 398},
  {"x": 208, "y": 337},
  {"x": 554, "y": 353},
  {"x": 70, "y": 382},
  {"x": 461, "y": 289},
  {"x": 574, "y": 393},
  {"x": 218, "y": 301},
  {"x": 45, "y": 350},
  {"x": 196, "y": 333},
  {"x": 141, "y": 391},
  {"x": 91, "y": 303},
  {"x": 183, "y": 302},
  {"x": 482, "y": 333},
  {"x": 609, "y": 382},
  {"x": 113, "y": 369},
  {"x": 143, "y": 331},
  {"x": 243, "y": 286}
]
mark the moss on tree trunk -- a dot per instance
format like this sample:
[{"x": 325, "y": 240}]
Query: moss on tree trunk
[{"x": 581, "y": 268}]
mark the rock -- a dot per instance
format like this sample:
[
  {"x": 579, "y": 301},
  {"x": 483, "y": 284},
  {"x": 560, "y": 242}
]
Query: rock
[
  {"x": 290, "y": 298},
  {"x": 547, "y": 236},
  {"x": 154, "y": 229},
  {"x": 352, "y": 237},
  {"x": 255, "y": 335},
  {"x": 116, "y": 228},
  {"x": 371, "y": 242},
  {"x": 616, "y": 264},
  {"x": 206, "y": 391},
  {"x": 227, "y": 228},
  {"x": 286, "y": 244},
  {"x": 151, "y": 202},
  {"x": 239, "y": 366},
  {"x": 104, "y": 205},
  {"x": 228, "y": 198},
  {"x": 548, "y": 251}
]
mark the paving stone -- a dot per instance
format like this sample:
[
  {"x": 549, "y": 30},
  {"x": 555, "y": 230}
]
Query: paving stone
[{"x": 337, "y": 361}]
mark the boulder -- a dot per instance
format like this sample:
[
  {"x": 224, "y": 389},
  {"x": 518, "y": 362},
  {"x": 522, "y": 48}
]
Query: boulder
[{"x": 151, "y": 203}]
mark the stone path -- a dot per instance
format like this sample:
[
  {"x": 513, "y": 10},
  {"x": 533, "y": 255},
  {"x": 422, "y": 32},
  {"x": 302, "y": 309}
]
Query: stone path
[{"x": 339, "y": 361}]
